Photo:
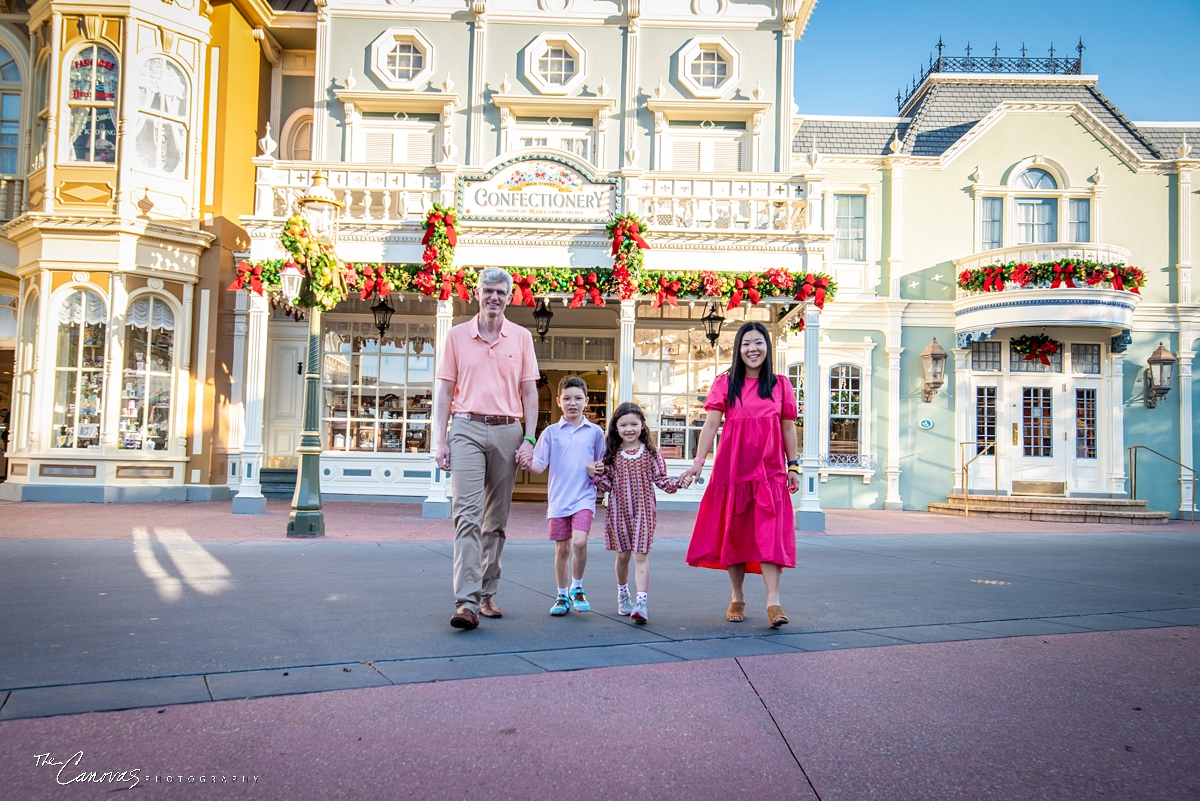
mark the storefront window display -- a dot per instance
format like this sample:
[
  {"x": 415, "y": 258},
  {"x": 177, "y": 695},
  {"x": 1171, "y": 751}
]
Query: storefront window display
[
  {"x": 673, "y": 370},
  {"x": 378, "y": 396},
  {"x": 79, "y": 371},
  {"x": 148, "y": 375}
]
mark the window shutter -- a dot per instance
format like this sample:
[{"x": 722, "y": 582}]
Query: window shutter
[
  {"x": 685, "y": 156},
  {"x": 727, "y": 156},
  {"x": 419, "y": 148},
  {"x": 380, "y": 147}
]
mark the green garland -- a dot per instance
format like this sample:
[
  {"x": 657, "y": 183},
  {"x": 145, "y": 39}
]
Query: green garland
[{"x": 1069, "y": 273}]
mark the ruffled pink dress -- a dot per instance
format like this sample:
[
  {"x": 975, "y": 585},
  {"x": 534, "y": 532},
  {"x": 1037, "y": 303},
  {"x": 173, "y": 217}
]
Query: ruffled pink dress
[{"x": 746, "y": 512}]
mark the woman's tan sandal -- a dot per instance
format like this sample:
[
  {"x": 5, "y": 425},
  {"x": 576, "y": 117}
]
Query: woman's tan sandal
[
  {"x": 737, "y": 612},
  {"x": 776, "y": 615}
]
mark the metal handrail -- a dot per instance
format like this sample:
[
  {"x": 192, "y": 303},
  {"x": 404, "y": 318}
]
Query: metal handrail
[
  {"x": 1132, "y": 452},
  {"x": 990, "y": 450}
]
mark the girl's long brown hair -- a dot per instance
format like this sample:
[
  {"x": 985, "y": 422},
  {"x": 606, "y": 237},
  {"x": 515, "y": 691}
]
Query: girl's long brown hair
[{"x": 612, "y": 442}]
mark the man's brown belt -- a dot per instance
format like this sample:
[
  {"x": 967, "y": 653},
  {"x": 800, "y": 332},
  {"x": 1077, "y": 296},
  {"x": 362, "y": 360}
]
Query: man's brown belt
[{"x": 488, "y": 419}]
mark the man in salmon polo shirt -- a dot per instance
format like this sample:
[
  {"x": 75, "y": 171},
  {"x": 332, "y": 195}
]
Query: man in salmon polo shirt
[{"x": 487, "y": 395}]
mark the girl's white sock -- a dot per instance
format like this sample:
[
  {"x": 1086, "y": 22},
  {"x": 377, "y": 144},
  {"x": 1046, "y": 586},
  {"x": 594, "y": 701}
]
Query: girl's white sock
[{"x": 642, "y": 597}]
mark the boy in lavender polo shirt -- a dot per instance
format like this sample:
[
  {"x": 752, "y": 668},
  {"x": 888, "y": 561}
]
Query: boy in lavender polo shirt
[{"x": 567, "y": 447}]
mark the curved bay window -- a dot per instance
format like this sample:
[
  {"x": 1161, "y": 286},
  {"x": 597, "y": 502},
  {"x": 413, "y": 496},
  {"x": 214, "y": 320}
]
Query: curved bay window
[
  {"x": 148, "y": 376},
  {"x": 92, "y": 100},
  {"x": 79, "y": 371},
  {"x": 160, "y": 135},
  {"x": 673, "y": 370},
  {"x": 378, "y": 396},
  {"x": 845, "y": 414}
]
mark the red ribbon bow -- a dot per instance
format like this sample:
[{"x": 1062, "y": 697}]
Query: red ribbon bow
[
  {"x": 1118, "y": 279},
  {"x": 1062, "y": 274},
  {"x": 248, "y": 273},
  {"x": 627, "y": 229},
  {"x": 667, "y": 291},
  {"x": 523, "y": 290},
  {"x": 454, "y": 282},
  {"x": 993, "y": 279},
  {"x": 373, "y": 281},
  {"x": 431, "y": 225},
  {"x": 814, "y": 286},
  {"x": 589, "y": 287},
  {"x": 748, "y": 287}
]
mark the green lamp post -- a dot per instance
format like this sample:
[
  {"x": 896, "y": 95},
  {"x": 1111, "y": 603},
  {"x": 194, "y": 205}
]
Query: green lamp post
[{"x": 320, "y": 209}]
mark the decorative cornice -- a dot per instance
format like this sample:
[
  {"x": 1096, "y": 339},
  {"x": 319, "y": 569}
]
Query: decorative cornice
[
  {"x": 534, "y": 105},
  {"x": 30, "y": 222},
  {"x": 427, "y": 102},
  {"x": 700, "y": 110}
]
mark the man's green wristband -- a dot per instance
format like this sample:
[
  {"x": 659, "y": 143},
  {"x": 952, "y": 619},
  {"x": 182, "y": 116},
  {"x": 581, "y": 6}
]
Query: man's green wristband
[{"x": 532, "y": 439}]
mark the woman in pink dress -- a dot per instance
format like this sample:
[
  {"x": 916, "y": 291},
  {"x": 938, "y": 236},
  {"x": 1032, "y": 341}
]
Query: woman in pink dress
[{"x": 745, "y": 521}]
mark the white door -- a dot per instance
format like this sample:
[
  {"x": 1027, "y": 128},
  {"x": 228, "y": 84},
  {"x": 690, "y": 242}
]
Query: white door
[
  {"x": 285, "y": 399},
  {"x": 1088, "y": 414},
  {"x": 1040, "y": 436}
]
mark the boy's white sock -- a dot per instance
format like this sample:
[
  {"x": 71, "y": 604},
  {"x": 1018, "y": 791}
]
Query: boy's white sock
[
  {"x": 642, "y": 597},
  {"x": 562, "y": 591},
  {"x": 576, "y": 583}
]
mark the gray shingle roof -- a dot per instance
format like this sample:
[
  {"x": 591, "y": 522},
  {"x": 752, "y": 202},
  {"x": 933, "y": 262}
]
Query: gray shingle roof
[
  {"x": 946, "y": 111},
  {"x": 1167, "y": 138},
  {"x": 842, "y": 137},
  {"x": 294, "y": 5}
]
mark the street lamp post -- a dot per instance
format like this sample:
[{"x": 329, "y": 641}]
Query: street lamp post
[{"x": 320, "y": 209}]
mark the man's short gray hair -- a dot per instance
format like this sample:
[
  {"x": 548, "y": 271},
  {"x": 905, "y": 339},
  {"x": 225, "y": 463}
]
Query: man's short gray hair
[{"x": 495, "y": 275}]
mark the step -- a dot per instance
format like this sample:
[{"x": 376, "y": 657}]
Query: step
[
  {"x": 1058, "y": 501},
  {"x": 1054, "y": 515},
  {"x": 277, "y": 483}
]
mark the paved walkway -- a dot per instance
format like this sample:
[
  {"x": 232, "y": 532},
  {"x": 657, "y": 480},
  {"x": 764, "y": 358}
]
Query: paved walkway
[{"x": 1056, "y": 662}]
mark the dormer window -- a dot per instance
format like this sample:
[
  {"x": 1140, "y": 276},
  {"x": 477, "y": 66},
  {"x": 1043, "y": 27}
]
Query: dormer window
[
  {"x": 708, "y": 67},
  {"x": 554, "y": 64},
  {"x": 1036, "y": 179},
  {"x": 402, "y": 58}
]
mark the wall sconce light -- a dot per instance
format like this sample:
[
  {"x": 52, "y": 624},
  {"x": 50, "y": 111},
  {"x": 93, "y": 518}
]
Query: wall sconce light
[
  {"x": 541, "y": 317},
  {"x": 712, "y": 324},
  {"x": 1160, "y": 373},
  {"x": 933, "y": 364}
]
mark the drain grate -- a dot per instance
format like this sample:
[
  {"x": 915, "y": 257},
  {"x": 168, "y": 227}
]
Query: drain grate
[{"x": 989, "y": 581}]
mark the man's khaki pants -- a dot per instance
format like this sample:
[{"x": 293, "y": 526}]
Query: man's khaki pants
[{"x": 483, "y": 469}]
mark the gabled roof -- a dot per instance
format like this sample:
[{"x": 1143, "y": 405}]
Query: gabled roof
[{"x": 949, "y": 107}]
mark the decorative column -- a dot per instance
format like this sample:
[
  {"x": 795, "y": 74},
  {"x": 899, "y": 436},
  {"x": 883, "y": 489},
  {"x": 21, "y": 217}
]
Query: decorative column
[
  {"x": 895, "y": 319},
  {"x": 1183, "y": 270},
  {"x": 629, "y": 97},
  {"x": 123, "y": 203},
  {"x": 963, "y": 405},
  {"x": 810, "y": 516},
  {"x": 237, "y": 393},
  {"x": 895, "y": 257},
  {"x": 321, "y": 83},
  {"x": 249, "y": 499},
  {"x": 56, "y": 66},
  {"x": 476, "y": 94},
  {"x": 40, "y": 435},
  {"x": 183, "y": 370},
  {"x": 1116, "y": 383},
  {"x": 1186, "y": 420},
  {"x": 785, "y": 98},
  {"x": 625, "y": 360},
  {"x": 114, "y": 362},
  {"x": 437, "y": 503}
]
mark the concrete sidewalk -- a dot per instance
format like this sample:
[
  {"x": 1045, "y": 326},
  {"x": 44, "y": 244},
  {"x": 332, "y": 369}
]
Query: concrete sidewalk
[{"x": 1017, "y": 659}]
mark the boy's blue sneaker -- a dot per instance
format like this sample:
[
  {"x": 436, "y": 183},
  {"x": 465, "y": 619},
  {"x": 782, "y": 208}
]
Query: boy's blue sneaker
[
  {"x": 562, "y": 605},
  {"x": 579, "y": 600}
]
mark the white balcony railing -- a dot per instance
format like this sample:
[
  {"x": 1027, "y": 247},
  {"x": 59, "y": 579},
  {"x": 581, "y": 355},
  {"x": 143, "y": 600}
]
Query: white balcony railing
[
  {"x": 368, "y": 193},
  {"x": 729, "y": 203},
  {"x": 387, "y": 194},
  {"x": 12, "y": 197}
]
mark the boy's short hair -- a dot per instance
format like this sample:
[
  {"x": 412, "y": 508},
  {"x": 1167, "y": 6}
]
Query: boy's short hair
[{"x": 569, "y": 381}]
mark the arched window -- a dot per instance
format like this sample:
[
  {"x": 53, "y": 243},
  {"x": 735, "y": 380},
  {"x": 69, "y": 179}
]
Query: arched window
[
  {"x": 79, "y": 370},
  {"x": 845, "y": 413},
  {"x": 92, "y": 100},
  {"x": 10, "y": 112},
  {"x": 160, "y": 137},
  {"x": 148, "y": 376},
  {"x": 297, "y": 136},
  {"x": 1035, "y": 178}
]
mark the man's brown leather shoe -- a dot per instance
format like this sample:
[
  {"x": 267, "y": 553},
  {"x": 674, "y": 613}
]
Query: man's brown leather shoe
[
  {"x": 464, "y": 619},
  {"x": 489, "y": 609}
]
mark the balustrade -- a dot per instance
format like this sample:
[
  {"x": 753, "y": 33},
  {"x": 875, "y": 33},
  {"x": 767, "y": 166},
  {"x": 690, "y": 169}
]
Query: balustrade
[
  {"x": 12, "y": 201},
  {"x": 368, "y": 195}
]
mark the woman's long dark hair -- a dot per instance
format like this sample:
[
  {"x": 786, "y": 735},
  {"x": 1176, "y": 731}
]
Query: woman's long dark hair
[
  {"x": 612, "y": 442},
  {"x": 737, "y": 373}
]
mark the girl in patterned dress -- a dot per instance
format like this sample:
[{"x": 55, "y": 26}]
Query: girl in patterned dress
[{"x": 629, "y": 472}]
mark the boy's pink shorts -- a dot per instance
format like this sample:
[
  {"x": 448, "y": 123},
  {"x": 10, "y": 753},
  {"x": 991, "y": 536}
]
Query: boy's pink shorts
[{"x": 561, "y": 527}]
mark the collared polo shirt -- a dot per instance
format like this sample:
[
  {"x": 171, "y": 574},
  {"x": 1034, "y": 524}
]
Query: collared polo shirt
[
  {"x": 487, "y": 376},
  {"x": 567, "y": 449}
]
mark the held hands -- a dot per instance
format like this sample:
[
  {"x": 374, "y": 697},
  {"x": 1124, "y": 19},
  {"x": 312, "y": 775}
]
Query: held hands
[
  {"x": 524, "y": 455},
  {"x": 692, "y": 473},
  {"x": 685, "y": 481},
  {"x": 595, "y": 469}
]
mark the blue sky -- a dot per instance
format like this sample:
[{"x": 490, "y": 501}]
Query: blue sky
[{"x": 857, "y": 53}]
